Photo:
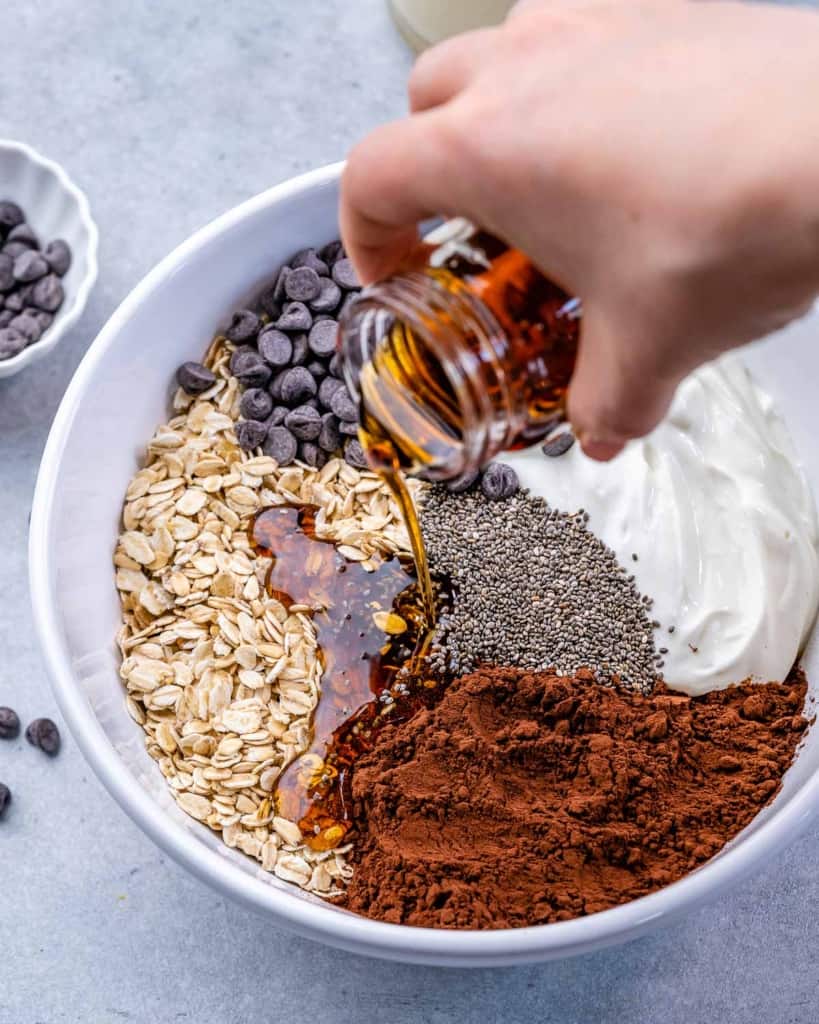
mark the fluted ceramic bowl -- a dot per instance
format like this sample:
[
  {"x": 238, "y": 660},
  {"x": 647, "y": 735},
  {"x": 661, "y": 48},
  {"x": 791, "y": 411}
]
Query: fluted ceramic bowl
[
  {"x": 118, "y": 395},
  {"x": 55, "y": 208}
]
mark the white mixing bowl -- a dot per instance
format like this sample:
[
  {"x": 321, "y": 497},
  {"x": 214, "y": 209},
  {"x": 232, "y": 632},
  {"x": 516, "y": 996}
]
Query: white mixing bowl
[{"x": 116, "y": 398}]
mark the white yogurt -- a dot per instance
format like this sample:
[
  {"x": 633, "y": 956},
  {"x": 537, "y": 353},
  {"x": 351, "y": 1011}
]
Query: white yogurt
[{"x": 722, "y": 520}]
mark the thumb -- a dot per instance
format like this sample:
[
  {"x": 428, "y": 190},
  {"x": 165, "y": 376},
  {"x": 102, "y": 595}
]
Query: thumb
[{"x": 618, "y": 391}]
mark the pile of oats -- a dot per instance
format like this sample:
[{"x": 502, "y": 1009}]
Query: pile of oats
[{"x": 222, "y": 678}]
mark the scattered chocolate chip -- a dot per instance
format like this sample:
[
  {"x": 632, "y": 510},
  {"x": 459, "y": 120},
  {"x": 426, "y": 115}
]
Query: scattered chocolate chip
[
  {"x": 12, "y": 342},
  {"x": 256, "y": 404},
  {"x": 58, "y": 256},
  {"x": 43, "y": 733},
  {"x": 323, "y": 338},
  {"x": 499, "y": 481},
  {"x": 30, "y": 266},
  {"x": 329, "y": 437},
  {"x": 9, "y": 724},
  {"x": 304, "y": 423},
  {"x": 280, "y": 445},
  {"x": 194, "y": 378},
  {"x": 296, "y": 317},
  {"x": 250, "y": 434},
  {"x": 302, "y": 284},
  {"x": 297, "y": 385},
  {"x": 354, "y": 453},
  {"x": 328, "y": 297},
  {"x": 244, "y": 326},
  {"x": 344, "y": 274},
  {"x": 10, "y": 215},
  {"x": 275, "y": 347},
  {"x": 343, "y": 406},
  {"x": 5, "y": 798},
  {"x": 559, "y": 444},
  {"x": 48, "y": 293}
]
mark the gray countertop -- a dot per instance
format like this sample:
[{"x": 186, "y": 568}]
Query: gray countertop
[{"x": 167, "y": 114}]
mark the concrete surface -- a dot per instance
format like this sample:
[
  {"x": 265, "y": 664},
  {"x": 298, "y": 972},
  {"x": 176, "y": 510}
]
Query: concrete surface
[{"x": 167, "y": 113}]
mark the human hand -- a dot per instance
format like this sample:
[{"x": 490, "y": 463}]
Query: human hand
[{"x": 660, "y": 160}]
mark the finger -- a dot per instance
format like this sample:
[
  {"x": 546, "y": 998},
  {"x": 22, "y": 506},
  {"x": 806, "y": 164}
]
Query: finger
[
  {"x": 614, "y": 396},
  {"x": 442, "y": 72},
  {"x": 400, "y": 174}
]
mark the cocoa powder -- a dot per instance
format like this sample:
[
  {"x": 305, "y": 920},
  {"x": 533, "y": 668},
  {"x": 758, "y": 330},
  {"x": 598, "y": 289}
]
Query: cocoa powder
[{"x": 525, "y": 798}]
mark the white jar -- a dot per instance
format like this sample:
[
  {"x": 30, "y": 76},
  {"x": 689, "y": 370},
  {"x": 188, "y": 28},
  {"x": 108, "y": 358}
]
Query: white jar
[{"x": 426, "y": 22}]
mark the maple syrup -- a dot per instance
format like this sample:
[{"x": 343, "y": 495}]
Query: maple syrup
[{"x": 369, "y": 676}]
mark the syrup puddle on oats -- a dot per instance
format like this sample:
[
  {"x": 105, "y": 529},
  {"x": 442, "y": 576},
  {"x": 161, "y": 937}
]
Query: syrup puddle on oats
[{"x": 367, "y": 676}]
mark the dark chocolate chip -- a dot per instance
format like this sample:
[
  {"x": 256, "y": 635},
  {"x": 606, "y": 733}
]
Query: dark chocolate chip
[
  {"x": 344, "y": 274},
  {"x": 354, "y": 453},
  {"x": 304, "y": 423},
  {"x": 302, "y": 284},
  {"x": 28, "y": 325},
  {"x": 348, "y": 428},
  {"x": 322, "y": 338},
  {"x": 9, "y": 724},
  {"x": 58, "y": 256},
  {"x": 329, "y": 437},
  {"x": 14, "y": 302},
  {"x": 296, "y": 317},
  {"x": 300, "y": 350},
  {"x": 47, "y": 293},
  {"x": 248, "y": 366},
  {"x": 43, "y": 733},
  {"x": 12, "y": 342},
  {"x": 6, "y": 316},
  {"x": 15, "y": 249},
  {"x": 280, "y": 445},
  {"x": 297, "y": 385},
  {"x": 24, "y": 233},
  {"x": 310, "y": 258},
  {"x": 279, "y": 294},
  {"x": 269, "y": 304},
  {"x": 194, "y": 378},
  {"x": 328, "y": 298},
  {"x": 6, "y": 272},
  {"x": 244, "y": 326},
  {"x": 275, "y": 347},
  {"x": 559, "y": 444},
  {"x": 331, "y": 252},
  {"x": 30, "y": 266},
  {"x": 278, "y": 416},
  {"x": 463, "y": 483},
  {"x": 310, "y": 453},
  {"x": 10, "y": 215},
  {"x": 250, "y": 434},
  {"x": 343, "y": 406},
  {"x": 45, "y": 320},
  {"x": 256, "y": 404},
  {"x": 499, "y": 481},
  {"x": 336, "y": 366},
  {"x": 327, "y": 389},
  {"x": 5, "y": 798},
  {"x": 317, "y": 369}
]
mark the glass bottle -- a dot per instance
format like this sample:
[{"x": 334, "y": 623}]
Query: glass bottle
[{"x": 466, "y": 352}]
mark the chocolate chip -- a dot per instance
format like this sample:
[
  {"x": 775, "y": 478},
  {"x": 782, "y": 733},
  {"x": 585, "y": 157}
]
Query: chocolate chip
[
  {"x": 463, "y": 483},
  {"x": 45, "y": 320},
  {"x": 256, "y": 404},
  {"x": 268, "y": 303},
  {"x": 343, "y": 406},
  {"x": 6, "y": 316},
  {"x": 304, "y": 423},
  {"x": 250, "y": 434},
  {"x": 278, "y": 416},
  {"x": 28, "y": 325},
  {"x": 348, "y": 428},
  {"x": 354, "y": 453},
  {"x": 244, "y": 326},
  {"x": 275, "y": 347},
  {"x": 328, "y": 298},
  {"x": 9, "y": 724},
  {"x": 14, "y": 302},
  {"x": 6, "y": 272},
  {"x": 279, "y": 293},
  {"x": 48, "y": 293},
  {"x": 280, "y": 445},
  {"x": 43, "y": 733},
  {"x": 297, "y": 385},
  {"x": 327, "y": 389},
  {"x": 12, "y": 342},
  {"x": 10, "y": 215},
  {"x": 310, "y": 258},
  {"x": 499, "y": 481},
  {"x": 24, "y": 233},
  {"x": 329, "y": 437},
  {"x": 15, "y": 249},
  {"x": 194, "y": 378},
  {"x": 58, "y": 256},
  {"x": 344, "y": 274},
  {"x": 296, "y": 317},
  {"x": 302, "y": 284},
  {"x": 559, "y": 444},
  {"x": 336, "y": 366},
  {"x": 248, "y": 366},
  {"x": 30, "y": 266},
  {"x": 300, "y": 349},
  {"x": 310, "y": 453},
  {"x": 332, "y": 252},
  {"x": 5, "y": 798},
  {"x": 322, "y": 338}
]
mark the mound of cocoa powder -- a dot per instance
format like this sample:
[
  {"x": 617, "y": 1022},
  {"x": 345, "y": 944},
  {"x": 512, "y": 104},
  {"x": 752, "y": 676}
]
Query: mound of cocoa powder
[{"x": 525, "y": 798}]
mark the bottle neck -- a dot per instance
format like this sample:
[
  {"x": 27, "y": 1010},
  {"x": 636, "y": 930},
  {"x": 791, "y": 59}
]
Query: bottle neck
[{"x": 425, "y": 357}]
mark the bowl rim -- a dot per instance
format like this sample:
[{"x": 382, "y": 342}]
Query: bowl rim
[
  {"x": 67, "y": 317},
  {"x": 314, "y": 920}
]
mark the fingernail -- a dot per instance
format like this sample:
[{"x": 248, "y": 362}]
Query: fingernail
[{"x": 598, "y": 448}]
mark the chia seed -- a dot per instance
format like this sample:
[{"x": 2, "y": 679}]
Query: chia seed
[{"x": 533, "y": 588}]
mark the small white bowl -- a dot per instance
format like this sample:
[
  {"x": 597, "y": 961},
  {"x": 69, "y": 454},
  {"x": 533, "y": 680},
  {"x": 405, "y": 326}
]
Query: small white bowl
[
  {"x": 55, "y": 208},
  {"x": 118, "y": 396}
]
